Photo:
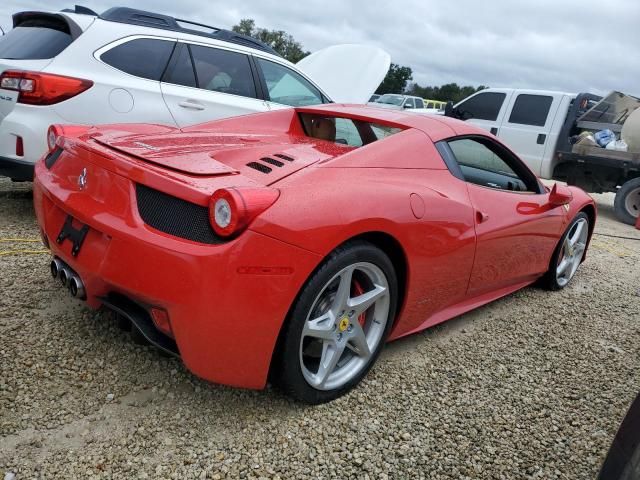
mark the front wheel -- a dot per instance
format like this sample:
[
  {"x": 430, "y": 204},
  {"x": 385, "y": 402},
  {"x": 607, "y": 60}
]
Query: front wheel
[
  {"x": 568, "y": 254},
  {"x": 338, "y": 324},
  {"x": 627, "y": 202}
]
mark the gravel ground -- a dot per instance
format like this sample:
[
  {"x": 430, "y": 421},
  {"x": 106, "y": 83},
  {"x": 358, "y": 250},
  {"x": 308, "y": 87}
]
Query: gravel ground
[{"x": 531, "y": 386}]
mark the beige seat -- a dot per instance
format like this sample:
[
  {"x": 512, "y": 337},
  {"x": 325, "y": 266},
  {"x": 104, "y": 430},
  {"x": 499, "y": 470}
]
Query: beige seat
[{"x": 323, "y": 129}]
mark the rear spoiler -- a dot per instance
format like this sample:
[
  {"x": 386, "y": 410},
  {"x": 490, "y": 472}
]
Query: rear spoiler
[{"x": 58, "y": 21}]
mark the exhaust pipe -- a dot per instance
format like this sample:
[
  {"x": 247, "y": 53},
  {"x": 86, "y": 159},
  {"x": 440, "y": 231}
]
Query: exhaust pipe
[
  {"x": 64, "y": 276},
  {"x": 56, "y": 266},
  {"x": 76, "y": 287}
]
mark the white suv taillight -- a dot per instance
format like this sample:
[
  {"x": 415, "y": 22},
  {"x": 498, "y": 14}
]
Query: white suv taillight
[{"x": 35, "y": 88}]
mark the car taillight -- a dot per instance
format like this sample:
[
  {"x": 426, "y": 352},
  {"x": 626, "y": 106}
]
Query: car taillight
[
  {"x": 56, "y": 132},
  {"x": 231, "y": 210},
  {"x": 53, "y": 133},
  {"x": 35, "y": 88}
]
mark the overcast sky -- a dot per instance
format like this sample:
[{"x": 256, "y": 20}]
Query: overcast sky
[{"x": 571, "y": 45}]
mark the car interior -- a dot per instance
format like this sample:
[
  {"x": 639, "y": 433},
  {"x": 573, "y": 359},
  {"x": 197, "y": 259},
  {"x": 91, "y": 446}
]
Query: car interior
[{"x": 345, "y": 131}]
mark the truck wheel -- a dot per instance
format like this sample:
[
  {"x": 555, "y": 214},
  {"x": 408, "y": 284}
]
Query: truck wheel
[{"x": 627, "y": 202}]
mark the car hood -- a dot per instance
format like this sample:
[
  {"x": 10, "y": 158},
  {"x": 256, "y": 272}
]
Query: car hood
[{"x": 347, "y": 73}]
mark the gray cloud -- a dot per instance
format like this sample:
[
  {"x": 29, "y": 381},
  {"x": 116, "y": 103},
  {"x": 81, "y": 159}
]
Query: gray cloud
[{"x": 571, "y": 45}]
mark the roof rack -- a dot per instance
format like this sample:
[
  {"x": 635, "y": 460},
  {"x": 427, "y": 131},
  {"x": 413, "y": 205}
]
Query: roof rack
[{"x": 143, "y": 18}]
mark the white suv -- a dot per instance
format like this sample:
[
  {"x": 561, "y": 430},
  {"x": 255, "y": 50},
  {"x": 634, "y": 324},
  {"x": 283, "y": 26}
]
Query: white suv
[{"x": 127, "y": 65}]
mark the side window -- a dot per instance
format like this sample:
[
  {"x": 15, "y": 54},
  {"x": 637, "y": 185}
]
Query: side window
[
  {"x": 288, "y": 87},
  {"x": 347, "y": 133},
  {"x": 430, "y": 105},
  {"x": 181, "y": 70},
  {"x": 409, "y": 103},
  {"x": 484, "y": 106},
  {"x": 143, "y": 57},
  {"x": 419, "y": 103},
  {"x": 223, "y": 71},
  {"x": 487, "y": 167},
  {"x": 531, "y": 110}
]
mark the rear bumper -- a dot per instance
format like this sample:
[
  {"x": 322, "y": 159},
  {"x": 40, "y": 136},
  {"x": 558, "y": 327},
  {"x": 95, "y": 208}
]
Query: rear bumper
[
  {"x": 30, "y": 123},
  {"x": 17, "y": 170},
  {"x": 225, "y": 306}
]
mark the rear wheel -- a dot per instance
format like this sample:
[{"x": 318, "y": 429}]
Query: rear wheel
[
  {"x": 627, "y": 202},
  {"x": 338, "y": 325},
  {"x": 569, "y": 254}
]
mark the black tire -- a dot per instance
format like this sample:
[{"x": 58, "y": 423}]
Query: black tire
[
  {"x": 287, "y": 374},
  {"x": 550, "y": 279},
  {"x": 632, "y": 187}
]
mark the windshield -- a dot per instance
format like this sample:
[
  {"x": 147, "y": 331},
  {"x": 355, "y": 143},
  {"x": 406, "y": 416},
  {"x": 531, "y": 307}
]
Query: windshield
[{"x": 391, "y": 99}]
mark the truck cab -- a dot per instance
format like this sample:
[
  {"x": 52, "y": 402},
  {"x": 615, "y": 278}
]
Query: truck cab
[
  {"x": 529, "y": 121},
  {"x": 545, "y": 129}
]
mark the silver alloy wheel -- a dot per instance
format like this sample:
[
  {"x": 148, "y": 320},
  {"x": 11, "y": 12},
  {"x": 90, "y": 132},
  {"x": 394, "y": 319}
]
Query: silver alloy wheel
[
  {"x": 344, "y": 326},
  {"x": 632, "y": 203},
  {"x": 572, "y": 252}
]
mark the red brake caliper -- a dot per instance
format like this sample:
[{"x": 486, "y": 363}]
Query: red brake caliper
[{"x": 357, "y": 291}]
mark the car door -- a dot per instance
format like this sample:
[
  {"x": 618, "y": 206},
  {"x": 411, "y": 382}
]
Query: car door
[
  {"x": 516, "y": 229},
  {"x": 485, "y": 109},
  {"x": 204, "y": 83},
  {"x": 526, "y": 128},
  {"x": 409, "y": 104}
]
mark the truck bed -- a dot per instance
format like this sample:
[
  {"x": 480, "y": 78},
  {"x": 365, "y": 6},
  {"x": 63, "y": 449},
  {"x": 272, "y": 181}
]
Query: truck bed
[{"x": 591, "y": 151}]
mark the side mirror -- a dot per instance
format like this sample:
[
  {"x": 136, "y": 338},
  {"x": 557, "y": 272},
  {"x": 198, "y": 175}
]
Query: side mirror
[
  {"x": 560, "y": 195},
  {"x": 406, "y": 105}
]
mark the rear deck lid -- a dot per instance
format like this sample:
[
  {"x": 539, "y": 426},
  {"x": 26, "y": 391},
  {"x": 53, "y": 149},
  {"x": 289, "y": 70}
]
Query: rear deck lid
[
  {"x": 347, "y": 73},
  {"x": 265, "y": 158}
]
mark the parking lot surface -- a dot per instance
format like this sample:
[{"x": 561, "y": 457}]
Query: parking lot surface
[{"x": 531, "y": 386}]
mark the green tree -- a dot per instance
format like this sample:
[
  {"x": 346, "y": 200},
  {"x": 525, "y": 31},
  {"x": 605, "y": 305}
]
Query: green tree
[
  {"x": 279, "y": 40},
  {"x": 396, "y": 80},
  {"x": 446, "y": 92}
]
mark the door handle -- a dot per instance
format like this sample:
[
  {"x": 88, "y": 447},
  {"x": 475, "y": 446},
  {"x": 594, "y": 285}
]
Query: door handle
[
  {"x": 481, "y": 217},
  {"x": 494, "y": 131},
  {"x": 191, "y": 104},
  {"x": 541, "y": 138}
]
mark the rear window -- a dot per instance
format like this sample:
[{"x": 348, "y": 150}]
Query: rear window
[
  {"x": 35, "y": 39},
  {"x": 345, "y": 131},
  {"x": 143, "y": 57}
]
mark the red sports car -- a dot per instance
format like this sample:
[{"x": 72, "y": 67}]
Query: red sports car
[{"x": 291, "y": 245}]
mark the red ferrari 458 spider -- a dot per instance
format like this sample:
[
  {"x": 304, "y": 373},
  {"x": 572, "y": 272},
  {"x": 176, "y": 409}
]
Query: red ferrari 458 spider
[{"x": 291, "y": 245}]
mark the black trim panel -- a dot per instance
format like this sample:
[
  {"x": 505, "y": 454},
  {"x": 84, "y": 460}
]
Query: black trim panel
[
  {"x": 449, "y": 159},
  {"x": 16, "y": 170},
  {"x": 141, "y": 319}
]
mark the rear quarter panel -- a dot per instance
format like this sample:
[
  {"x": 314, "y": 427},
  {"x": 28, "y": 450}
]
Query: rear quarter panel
[{"x": 322, "y": 208}]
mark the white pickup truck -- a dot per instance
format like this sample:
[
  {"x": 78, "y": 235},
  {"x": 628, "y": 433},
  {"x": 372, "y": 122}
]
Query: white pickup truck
[{"x": 539, "y": 126}]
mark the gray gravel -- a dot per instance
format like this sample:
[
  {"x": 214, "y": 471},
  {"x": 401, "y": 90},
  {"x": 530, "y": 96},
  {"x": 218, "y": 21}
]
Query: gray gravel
[{"x": 532, "y": 386}]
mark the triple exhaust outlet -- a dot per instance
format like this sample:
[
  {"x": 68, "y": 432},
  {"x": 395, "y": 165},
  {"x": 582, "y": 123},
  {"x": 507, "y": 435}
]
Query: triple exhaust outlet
[{"x": 70, "y": 279}]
